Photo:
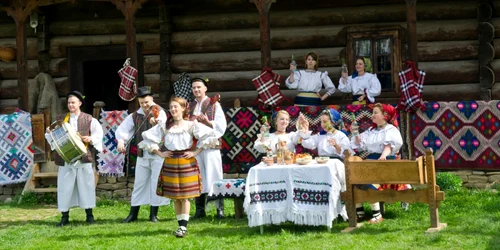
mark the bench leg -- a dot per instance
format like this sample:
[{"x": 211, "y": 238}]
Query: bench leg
[{"x": 238, "y": 208}]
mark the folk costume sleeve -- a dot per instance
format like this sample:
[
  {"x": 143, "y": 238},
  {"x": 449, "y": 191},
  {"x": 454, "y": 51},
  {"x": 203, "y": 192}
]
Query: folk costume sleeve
[
  {"x": 96, "y": 133},
  {"x": 125, "y": 130}
]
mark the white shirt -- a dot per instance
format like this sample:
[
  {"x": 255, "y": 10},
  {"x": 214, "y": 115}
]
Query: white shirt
[
  {"x": 219, "y": 123},
  {"x": 310, "y": 81},
  {"x": 127, "y": 128},
  {"x": 374, "y": 140},
  {"x": 321, "y": 143},
  {"x": 358, "y": 85}
]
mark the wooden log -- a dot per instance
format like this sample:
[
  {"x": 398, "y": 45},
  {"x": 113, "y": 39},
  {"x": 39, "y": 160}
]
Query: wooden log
[
  {"x": 446, "y": 30},
  {"x": 486, "y": 32},
  {"x": 9, "y": 70},
  {"x": 58, "y": 67},
  {"x": 59, "y": 45},
  {"x": 31, "y": 49},
  {"x": 326, "y": 16},
  {"x": 101, "y": 26},
  {"x": 495, "y": 66},
  {"x": 235, "y": 61},
  {"x": 495, "y": 91},
  {"x": 484, "y": 11},
  {"x": 166, "y": 28},
  {"x": 9, "y": 89},
  {"x": 486, "y": 77},
  {"x": 152, "y": 80},
  {"x": 485, "y": 94},
  {"x": 248, "y": 39},
  {"x": 486, "y": 53},
  {"x": 8, "y": 30},
  {"x": 447, "y": 51},
  {"x": 451, "y": 92},
  {"x": 450, "y": 72}
]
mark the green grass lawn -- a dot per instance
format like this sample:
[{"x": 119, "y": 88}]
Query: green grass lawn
[{"x": 473, "y": 219}]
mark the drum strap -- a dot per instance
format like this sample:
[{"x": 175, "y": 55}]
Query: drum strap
[{"x": 66, "y": 119}]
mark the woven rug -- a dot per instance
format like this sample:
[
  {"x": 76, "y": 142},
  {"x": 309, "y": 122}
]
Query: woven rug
[
  {"x": 463, "y": 135},
  {"x": 110, "y": 162},
  {"x": 16, "y": 147},
  {"x": 244, "y": 124}
]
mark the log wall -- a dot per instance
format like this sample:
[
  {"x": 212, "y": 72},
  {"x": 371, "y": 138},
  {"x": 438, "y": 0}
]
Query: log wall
[{"x": 225, "y": 47}]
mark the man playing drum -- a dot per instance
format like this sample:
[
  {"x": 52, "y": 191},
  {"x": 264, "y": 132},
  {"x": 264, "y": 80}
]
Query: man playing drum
[
  {"x": 148, "y": 165},
  {"x": 209, "y": 112},
  {"x": 75, "y": 181}
]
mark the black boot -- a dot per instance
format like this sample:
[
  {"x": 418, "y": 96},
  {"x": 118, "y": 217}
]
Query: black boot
[
  {"x": 134, "y": 211},
  {"x": 153, "y": 214},
  {"x": 220, "y": 208},
  {"x": 200, "y": 203},
  {"x": 64, "y": 219},
  {"x": 90, "y": 216}
]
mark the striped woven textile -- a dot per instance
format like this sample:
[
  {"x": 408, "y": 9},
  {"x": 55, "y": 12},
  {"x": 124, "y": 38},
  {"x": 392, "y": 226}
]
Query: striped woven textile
[{"x": 179, "y": 178}]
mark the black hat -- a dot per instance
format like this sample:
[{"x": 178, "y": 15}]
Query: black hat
[
  {"x": 199, "y": 79},
  {"x": 144, "y": 91},
  {"x": 77, "y": 94}
]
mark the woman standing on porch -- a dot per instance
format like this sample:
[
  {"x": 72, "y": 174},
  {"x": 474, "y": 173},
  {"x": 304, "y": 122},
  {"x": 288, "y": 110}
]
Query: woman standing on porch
[
  {"x": 180, "y": 176},
  {"x": 309, "y": 82},
  {"x": 383, "y": 141},
  {"x": 364, "y": 86}
]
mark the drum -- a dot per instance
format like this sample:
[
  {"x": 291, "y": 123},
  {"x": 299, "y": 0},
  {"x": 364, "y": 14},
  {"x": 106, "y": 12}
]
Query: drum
[{"x": 67, "y": 142}]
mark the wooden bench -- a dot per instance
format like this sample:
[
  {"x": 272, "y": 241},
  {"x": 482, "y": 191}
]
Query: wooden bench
[{"x": 420, "y": 171}]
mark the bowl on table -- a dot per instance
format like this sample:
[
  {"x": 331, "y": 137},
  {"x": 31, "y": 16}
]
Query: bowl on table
[
  {"x": 322, "y": 160},
  {"x": 303, "y": 161}
]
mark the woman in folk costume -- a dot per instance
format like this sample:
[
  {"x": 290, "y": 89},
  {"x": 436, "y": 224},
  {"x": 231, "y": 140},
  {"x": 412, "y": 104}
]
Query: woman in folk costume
[
  {"x": 75, "y": 182},
  {"x": 383, "y": 141},
  {"x": 364, "y": 86},
  {"x": 281, "y": 121},
  {"x": 148, "y": 166},
  {"x": 309, "y": 82},
  {"x": 331, "y": 141},
  {"x": 180, "y": 175},
  {"x": 209, "y": 112}
]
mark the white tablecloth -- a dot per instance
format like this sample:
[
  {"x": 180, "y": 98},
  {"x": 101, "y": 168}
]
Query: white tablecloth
[{"x": 305, "y": 195}]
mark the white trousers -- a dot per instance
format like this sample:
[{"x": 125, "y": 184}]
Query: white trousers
[
  {"x": 75, "y": 187},
  {"x": 147, "y": 171},
  {"x": 210, "y": 163}
]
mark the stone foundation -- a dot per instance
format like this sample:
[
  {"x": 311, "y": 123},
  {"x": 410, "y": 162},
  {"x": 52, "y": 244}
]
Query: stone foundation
[{"x": 478, "y": 179}]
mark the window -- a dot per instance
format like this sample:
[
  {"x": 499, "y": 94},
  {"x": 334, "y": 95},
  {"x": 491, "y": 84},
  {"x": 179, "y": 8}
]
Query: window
[{"x": 382, "y": 46}]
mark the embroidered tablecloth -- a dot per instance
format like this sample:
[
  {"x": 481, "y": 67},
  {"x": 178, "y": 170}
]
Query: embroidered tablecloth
[
  {"x": 228, "y": 188},
  {"x": 110, "y": 162},
  {"x": 305, "y": 195}
]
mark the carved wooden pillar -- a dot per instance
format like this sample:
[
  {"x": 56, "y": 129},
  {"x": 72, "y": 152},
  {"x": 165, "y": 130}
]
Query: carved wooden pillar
[
  {"x": 486, "y": 51},
  {"x": 166, "y": 87},
  {"x": 129, "y": 9},
  {"x": 265, "y": 31},
  {"x": 411, "y": 25},
  {"x": 20, "y": 10}
]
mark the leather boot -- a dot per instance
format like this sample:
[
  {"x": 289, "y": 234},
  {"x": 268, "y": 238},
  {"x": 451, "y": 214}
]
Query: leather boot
[
  {"x": 220, "y": 208},
  {"x": 200, "y": 206},
  {"x": 90, "y": 216},
  {"x": 64, "y": 219},
  {"x": 134, "y": 211},
  {"x": 153, "y": 214}
]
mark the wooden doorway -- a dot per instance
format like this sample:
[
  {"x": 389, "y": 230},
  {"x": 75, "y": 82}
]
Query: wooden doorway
[{"x": 94, "y": 72}]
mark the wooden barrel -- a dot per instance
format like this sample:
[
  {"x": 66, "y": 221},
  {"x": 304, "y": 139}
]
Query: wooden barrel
[{"x": 7, "y": 54}]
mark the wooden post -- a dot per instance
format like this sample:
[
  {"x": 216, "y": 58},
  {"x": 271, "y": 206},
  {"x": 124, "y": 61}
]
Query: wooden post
[
  {"x": 411, "y": 25},
  {"x": 349, "y": 198},
  {"x": 432, "y": 193},
  {"x": 43, "y": 44},
  {"x": 486, "y": 50},
  {"x": 166, "y": 87},
  {"x": 265, "y": 31},
  {"x": 129, "y": 9},
  {"x": 96, "y": 112},
  {"x": 19, "y": 12},
  {"x": 46, "y": 118}
]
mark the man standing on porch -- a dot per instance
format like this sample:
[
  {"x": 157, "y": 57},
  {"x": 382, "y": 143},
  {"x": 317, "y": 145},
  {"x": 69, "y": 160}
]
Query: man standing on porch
[
  {"x": 75, "y": 181},
  {"x": 148, "y": 165},
  {"x": 209, "y": 112}
]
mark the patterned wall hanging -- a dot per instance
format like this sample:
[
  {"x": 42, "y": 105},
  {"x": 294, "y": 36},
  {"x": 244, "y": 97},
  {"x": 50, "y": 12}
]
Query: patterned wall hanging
[{"x": 110, "y": 162}]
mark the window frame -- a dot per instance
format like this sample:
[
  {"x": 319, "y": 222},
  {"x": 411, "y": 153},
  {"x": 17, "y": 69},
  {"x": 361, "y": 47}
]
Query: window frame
[{"x": 374, "y": 33}]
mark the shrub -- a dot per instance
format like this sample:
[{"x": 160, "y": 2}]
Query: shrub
[{"x": 448, "y": 181}]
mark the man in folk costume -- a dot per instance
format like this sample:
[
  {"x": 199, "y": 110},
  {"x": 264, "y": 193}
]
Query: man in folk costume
[
  {"x": 209, "y": 112},
  {"x": 75, "y": 182},
  {"x": 148, "y": 166}
]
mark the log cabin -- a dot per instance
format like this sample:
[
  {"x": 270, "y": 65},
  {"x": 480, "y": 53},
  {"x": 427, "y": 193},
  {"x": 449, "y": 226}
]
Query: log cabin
[{"x": 83, "y": 43}]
